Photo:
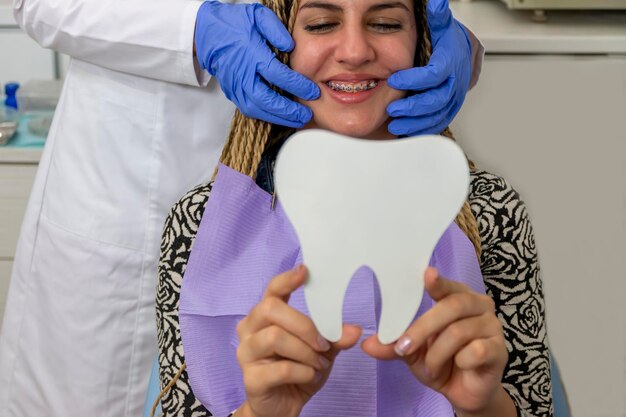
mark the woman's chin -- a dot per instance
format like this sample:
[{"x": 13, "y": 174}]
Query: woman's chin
[{"x": 363, "y": 129}]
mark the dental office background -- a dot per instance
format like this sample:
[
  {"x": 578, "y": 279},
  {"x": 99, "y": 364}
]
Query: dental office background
[{"x": 549, "y": 114}]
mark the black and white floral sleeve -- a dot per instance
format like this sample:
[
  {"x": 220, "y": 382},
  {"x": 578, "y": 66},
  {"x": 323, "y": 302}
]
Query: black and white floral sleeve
[
  {"x": 179, "y": 233},
  {"x": 510, "y": 268}
]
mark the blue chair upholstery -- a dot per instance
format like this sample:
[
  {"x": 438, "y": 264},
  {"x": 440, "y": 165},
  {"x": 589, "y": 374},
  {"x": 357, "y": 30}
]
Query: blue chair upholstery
[
  {"x": 559, "y": 396},
  {"x": 154, "y": 388}
]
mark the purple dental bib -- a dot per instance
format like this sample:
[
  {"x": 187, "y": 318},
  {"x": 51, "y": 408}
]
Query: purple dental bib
[{"x": 241, "y": 244}]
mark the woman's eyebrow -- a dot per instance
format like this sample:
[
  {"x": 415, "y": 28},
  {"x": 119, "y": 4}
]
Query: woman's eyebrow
[
  {"x": 389, "y": 5},
  {"x": 335, "y": 7},
  {"x": 321, "y": 5}
]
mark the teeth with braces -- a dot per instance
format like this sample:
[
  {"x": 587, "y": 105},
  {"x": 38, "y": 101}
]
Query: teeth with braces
[{"x": 350, "y": 88}]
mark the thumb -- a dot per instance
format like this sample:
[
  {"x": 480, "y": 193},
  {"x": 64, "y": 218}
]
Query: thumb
[
  {"x": 272, "y": 29},
  {"x": 439, "y": 18},
  {"x": 349, "y": 336}
]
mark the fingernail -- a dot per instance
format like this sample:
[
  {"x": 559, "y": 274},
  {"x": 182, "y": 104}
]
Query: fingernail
[
  {"x": 322, "y": 343},
  {"x": 324, "y": 362},
  {"x": 402, "y": 346}
]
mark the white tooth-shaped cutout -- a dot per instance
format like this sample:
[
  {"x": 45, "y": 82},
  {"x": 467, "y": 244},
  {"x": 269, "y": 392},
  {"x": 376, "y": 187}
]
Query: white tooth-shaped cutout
[{"x": 384, "y": 204}]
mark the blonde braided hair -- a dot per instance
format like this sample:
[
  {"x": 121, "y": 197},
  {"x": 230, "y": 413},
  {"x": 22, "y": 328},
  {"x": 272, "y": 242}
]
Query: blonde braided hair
[{"x": 248, "y": 138}]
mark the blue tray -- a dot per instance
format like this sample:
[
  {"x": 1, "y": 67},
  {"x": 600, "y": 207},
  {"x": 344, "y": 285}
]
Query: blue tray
[{"x": 23, "y": 138}]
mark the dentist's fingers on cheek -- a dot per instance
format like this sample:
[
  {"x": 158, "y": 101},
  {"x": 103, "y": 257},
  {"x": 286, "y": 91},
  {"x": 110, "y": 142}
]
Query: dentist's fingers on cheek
[
  {"x": 274, "y": 341},
  {"x": 251, "y": 109},
  {"x": 456, "y": 336},
  {"x": 280, "y": 75},
  {"x": 271, "y": 118},
  {"x": 424, "y": 103},
  {"x": 445, "y": 122},
  {"x": 418, "y": 78},
  {"x": 433, "y": 123},
  {"x": 279, "y": 106}
]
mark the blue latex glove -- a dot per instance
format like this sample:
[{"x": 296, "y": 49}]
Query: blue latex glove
[
  {"x": 230, "y": 43},
  {"x": 443, "y": 82}
]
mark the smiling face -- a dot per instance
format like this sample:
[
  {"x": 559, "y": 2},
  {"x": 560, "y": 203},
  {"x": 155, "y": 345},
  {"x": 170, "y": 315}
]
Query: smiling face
[{"x": 350, "y": 48}]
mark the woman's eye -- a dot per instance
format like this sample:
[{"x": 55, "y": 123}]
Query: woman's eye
[
  {"x": 320, "y": 27},
  {"x": 386, "y": 27}
]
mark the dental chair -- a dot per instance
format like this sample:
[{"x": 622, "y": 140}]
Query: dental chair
[
  {"x": 154, "y": 388},
  {"x": 559, "y": 397}
]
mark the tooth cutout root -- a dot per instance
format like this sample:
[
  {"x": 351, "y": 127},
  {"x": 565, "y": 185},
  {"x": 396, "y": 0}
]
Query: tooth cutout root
[{"x": 384, "y": 204}]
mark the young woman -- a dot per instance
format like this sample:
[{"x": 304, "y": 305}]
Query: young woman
[{"x": 482, "y": 355}]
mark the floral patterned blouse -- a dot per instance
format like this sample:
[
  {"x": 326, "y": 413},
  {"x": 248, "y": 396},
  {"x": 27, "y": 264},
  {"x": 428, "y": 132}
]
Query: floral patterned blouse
[{"x": 509, "y": 265}]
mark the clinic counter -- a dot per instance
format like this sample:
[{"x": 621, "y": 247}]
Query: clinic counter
[
  {"x": 23, "y": 148},
  {"x": 504, "y": 31},
  {"x": 12, "y": 155}
]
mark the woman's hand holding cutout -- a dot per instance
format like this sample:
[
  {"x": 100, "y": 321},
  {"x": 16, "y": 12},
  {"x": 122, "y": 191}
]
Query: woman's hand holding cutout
[
  {"x": 456, "y": 348},
  {"x": 284, "y": 359}
]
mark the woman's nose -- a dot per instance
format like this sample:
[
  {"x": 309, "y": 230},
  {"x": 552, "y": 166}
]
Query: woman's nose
[{"x": 354, "y": 47}]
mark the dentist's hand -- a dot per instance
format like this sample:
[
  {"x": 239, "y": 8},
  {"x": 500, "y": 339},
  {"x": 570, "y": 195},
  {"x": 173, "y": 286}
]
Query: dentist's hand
[
  {"x": 442, "y": 83},
  {"x": 456, "y": 348},
  {"x": 284, "y": 359},
  {"x": 231, "y": 43}
]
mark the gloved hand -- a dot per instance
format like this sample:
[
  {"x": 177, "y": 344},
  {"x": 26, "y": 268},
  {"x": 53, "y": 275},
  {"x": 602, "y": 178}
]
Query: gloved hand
[
  {"x": 230, "y": 43},
  {"x": 443, "y": 82}
]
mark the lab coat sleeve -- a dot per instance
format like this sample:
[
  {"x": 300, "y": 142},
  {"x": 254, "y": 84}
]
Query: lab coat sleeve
[
  {"x": 149, "y": 38},
  {"x": 478, "y": 54}
]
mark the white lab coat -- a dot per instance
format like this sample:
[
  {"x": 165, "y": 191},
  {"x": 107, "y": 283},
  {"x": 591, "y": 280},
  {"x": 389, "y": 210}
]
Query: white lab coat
[{"x": 131, "y": 133}]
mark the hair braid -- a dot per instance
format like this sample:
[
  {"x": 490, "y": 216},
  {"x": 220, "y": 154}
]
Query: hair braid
[
  {"x": 465, "y": 219},
  {"x": 249, "y": 137}
]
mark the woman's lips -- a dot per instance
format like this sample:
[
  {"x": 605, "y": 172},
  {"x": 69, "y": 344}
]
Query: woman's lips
[{"x": 352, "y": 91}]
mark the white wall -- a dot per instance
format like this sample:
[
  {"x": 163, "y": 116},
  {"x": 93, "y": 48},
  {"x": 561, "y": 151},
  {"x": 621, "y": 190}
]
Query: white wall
[
  {"x": 21, "y": 58},
  {"x": 555, "y": 126}
]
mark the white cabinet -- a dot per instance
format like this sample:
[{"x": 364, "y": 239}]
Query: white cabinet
[{"x": 555, "y": 126}]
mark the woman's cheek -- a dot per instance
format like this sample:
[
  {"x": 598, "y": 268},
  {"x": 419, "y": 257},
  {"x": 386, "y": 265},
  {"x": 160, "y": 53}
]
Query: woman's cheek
[
  {"x": 398, "y": 53},
  {"x": 307, "y": 59}
]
